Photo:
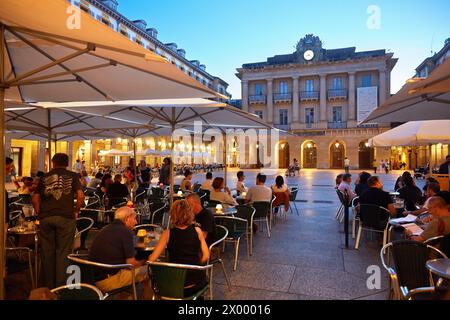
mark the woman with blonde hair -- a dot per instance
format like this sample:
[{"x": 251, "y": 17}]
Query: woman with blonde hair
[{"x": 185, "y": 243}]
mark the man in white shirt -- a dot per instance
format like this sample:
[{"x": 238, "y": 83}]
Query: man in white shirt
[
  {"x": 207, "y": 184},
  {"x": 345, "y": 186},
  {"x": 347, "y": 165},
  {"x": 77, "y": 168},
  {"x": 259, "y": 193},
  {"x": 240, "y": 186}
]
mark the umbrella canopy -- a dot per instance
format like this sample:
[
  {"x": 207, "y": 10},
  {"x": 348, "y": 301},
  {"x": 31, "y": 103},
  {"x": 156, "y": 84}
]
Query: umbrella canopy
[
  {"x": 115, "y": 153},
  {"x": 404, "y": 106},
  {"x": 415, "y": 133},
  {"x": 48, "y": 61},
  {"x": 437, "y": 82}
]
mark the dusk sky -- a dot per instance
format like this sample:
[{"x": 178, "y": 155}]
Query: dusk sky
[{"x": 224, "y": 35}]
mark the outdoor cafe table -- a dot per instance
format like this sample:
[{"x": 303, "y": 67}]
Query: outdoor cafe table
[
  {"x": 23, "y": 232},
  {"x": 229, "y": 211},
  {"x": 439, "y": 267}
]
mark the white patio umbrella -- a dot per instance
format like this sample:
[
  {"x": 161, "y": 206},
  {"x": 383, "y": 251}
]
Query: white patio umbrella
[
  {"x": 116, "y": 153},
  {"x": 415, "y": 133},
  {"x": 47, "y": 55},
  {"x": 437, "y": 82}
]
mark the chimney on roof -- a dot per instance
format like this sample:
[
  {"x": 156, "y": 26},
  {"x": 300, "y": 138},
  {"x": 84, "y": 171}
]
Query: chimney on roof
[
  {"x": 182, "y": 52},
  {"x": 112, "y": 4},
  {"x": 141, "y": 24},
  {"x": 203, "y": 67},
  {"x": 196, "y": 63},
  {"x": 153, "y": 32},
  {"x": 172, "y": 46}
]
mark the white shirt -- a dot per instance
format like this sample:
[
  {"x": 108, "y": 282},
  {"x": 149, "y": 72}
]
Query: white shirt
[
  {"x": 207, "y": 185},
  {"x": 259, "y": 193},
  {"x": 77, "y": 167},
  {"x": 344, "y": 186},
  {"x": 347, "y": 162},
  {"x": 223, "y": 197}
]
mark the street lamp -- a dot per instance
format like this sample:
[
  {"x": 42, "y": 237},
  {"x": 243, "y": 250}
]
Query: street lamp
[{"x": 337, "y": 145}]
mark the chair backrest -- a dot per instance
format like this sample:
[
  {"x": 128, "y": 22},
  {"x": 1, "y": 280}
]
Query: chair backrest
[
  {"x": 168, "y": 279},
  {"x": 196, "y": 187},
  {"x": 410, "y": 259},
  {"x": 221, "y": 235},
  {"x": 141, "y": 195},
  {"x": 441, "y": 242},
  {"x": 262, "y": 209},
  {"x": 343, "y": 197},
  {"x": 116, "y": 202},
  {"x": 246, "y": 213},
  {"x": 204, "y": 195},
  {"x": 233, "y": 224},
  {"x": 81, "y": 291},
  {"x": 373, "y": 216},
  {"x": 83, "y": 224},
  {"x": 293, "y": 195},
  {"x": 355, "y": 202},
  {"x": 158, "y": 210},
  {"x": 14, "y": 218},
  {"x": 213, "y": 203},
  {"x": 157, "y": 192}
]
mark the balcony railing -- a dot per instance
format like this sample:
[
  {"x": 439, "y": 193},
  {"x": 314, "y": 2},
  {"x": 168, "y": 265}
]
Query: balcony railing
[
  {"x": 285, "y": 127},
  {"x": 257, "y": 99},
  {"x": 337, "y": 125},
  {"x": 309, "y": 95},
  {"x": 335, "y": 94},
  {"x": 282, "y": 97},
  {"x": 309, "y": 125}
]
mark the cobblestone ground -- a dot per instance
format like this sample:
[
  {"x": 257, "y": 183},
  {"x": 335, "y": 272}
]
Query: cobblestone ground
[{"x": 303, "y": 260}]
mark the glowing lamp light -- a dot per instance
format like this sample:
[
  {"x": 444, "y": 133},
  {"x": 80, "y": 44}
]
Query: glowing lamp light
[
  {"x": 119, "y": 140},
  {"x": 283, "y": 146},
  {"x": 337, "y": 145},
  {"x": 367, "y": 144},
  {"x": 159, "y": 143},
  {"x": 180, "y": 193},
  {"x": 219, "y": 208},
  {"x": 257, "y": 146},
  {"x": 244, "y": 194},
  {"x": 309, "y": 145},
  {"x": 148, "y": 142}
]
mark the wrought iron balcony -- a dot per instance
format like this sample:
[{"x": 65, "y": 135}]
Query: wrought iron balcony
[
  {"x": 257, "y": 99},
  {"x": 337, "y": 94},
  {"x": 282, "y": 97},
  {"x": 309, "y": 95},
  {"x": 309, "y": 125},
  {"x": 337, "y": 125}
]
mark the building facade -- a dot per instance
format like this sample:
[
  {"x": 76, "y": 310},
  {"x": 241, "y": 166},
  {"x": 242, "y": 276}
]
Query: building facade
[{"x": 321, "y": 96}]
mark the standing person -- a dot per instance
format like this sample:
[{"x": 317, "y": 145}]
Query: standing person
[
  {"x": 83, "y": 166},
  {"x": 53, "y": 204},
  {"x": 445, "y": 167},
  {"x": 164, "y": 175},
  {"x": 387, "y": 166},
  {"x": 382, "y": 165},
  {"x": 240, "y": 186},
  {"x": 375, "y": 165},
  {"x": 145, "y": 174},
  {"x": 347, "y": 165},
  {"x": 77, "y": 167}
]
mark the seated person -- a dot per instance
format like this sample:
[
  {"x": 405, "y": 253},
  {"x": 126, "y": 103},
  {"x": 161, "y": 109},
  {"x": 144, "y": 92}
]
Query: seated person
[
  {"x": 440, "y": 225},
  {"x": 362, "y": 186},
  {"x": 95, "y": 181},
  {"x": 338, "y": 180},
  {"x": 431, "y": 191},
  {"x": 117, "y": 191},
  {"x": 281, "y": 192},
  {"x": 221, "y": 196},
  {"x": 376, "y": 196},
  {"x": 259, "y": 193},
  {"x": 399, "y": 183},
  {"x": 204, "y": 218},
  {"x": 207, "y": 184},
  {"x": 186, "y": 245},
  {"x": 186, "y": 184},
  {"x": 240, "y": 186},
  {"x": 104, "y": 184},
  {"x": 410, "y": 193},
  {"x": 28, "y": 186},
  {"x": 345, "y": 186},
  {"x": 115, "y": 245},
  {"x": 84, "y": 180}
]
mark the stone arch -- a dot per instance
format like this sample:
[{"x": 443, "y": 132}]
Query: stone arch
[
  {"x": 337, "y": 151},
  {"x": 309, "y": 154}
]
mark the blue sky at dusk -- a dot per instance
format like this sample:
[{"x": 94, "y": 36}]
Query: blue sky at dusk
[{"x": 225, "y": 34}]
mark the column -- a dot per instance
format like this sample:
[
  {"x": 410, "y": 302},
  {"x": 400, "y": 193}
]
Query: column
[
  {"x": 41, "y": 155},
  {"x": 7, "y": 147},
  {"x": 270, "y": 101},
  {"x": 383, "y": 87},
  {"x": 245, "y": 95},
  {"x": 295, "y": 103},
  {"x": 70, "y": 154},
  {"x": 93, "y": 157},
  {"x": 351, "y": 96},
  {"x": 323, "y": 98}
]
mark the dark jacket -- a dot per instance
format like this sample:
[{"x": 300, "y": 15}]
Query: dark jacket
[{"x": 443, "y": 169}]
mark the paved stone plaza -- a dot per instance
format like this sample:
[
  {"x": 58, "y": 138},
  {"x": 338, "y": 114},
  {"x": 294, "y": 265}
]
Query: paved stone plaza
[{"x": 304, "y": 258}]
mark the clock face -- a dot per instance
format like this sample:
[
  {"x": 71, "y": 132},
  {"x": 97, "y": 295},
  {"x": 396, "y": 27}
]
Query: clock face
[{"x": 308, "y": 55}]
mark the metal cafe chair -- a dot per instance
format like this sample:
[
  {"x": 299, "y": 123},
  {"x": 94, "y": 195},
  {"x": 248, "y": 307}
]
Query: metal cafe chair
[
  {"x": 441, "y": 242},
  {"x": 409, "y": 274},
  {"x": 262, "y": 214},
  {"x": 168, "y": 280},
  {"x": 355, "y": 215},
  {"x": 247, "y": 212},
  {"x": 158, "y": 213},
  {"x": 78, "y": 292},
  {"x": 222, "y": 234},
  {"x": 374, "y": 219},
  {"x": 84, "y": 224},
  {"x": 237, "y": 228},
  {"x": 293, "y": 199},
  {"x": 88, "y": 269}
]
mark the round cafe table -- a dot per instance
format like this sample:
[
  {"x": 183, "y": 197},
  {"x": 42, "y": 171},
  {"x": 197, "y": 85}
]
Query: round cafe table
[
  {"x": 439, "y": 267},
  {"x": 230, "y": 211}
]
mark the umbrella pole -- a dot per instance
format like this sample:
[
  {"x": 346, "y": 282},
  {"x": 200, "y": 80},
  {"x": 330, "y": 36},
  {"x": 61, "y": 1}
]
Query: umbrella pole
[
  {"x": 172, "y": 165},
  {"x": 225, "y": 158},
  {"x": 2, "y": 181},
  {"x": 49, "y": 138},
  {"x": 135, "y": 169}
]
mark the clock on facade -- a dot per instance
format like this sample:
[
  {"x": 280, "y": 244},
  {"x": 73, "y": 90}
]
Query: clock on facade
[{"x": 308, "y": 55}]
